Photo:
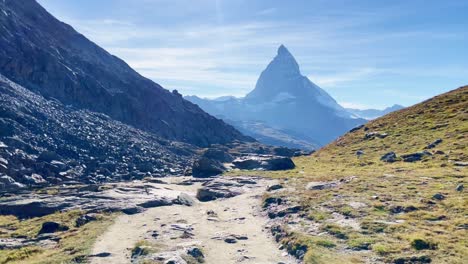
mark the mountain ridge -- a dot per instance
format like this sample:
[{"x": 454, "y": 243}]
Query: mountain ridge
[{"x": 49, "y": 57}]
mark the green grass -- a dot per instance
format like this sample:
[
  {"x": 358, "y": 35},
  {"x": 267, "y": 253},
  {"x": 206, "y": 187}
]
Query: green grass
[
  {"x": 74, "y": 245},
  {"x": 399, "y": 207}
]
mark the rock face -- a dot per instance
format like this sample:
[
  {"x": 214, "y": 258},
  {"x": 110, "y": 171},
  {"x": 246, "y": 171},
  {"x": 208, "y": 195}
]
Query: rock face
[
  {"x": 50, "y": 143},
  {"x": 285, "y": 108},
  {"x": 50, "y": 58}
]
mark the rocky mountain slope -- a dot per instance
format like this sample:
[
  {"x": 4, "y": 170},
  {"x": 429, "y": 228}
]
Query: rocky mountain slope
[
  {"x": 287, "y": 102},
  {"x": 390, "y": 191},
  {"x": 374, "y": 113},
  {"x": 50, "y": 58},
  {"x": 45, "y": 142}
]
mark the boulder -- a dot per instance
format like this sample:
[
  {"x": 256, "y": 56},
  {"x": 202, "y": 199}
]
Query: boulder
[
  {"x": 389, "y": 157},
  {"x": 84, "y": 219},
  {"x": 52, "y": 227},
  {"x": 7, "y": 183},
  {"x": 459, "y": 187},
  {"x": 274, "y": 187},
  {"x": 415, "y": 156},
  {"x": 205, "y": 167},
  {"x": 48, "y": 156},
  {"x": 264, "y": 162},
  {"x": 185, "y": 199},
  {"x": 218, "y": 154},
  {"x": 321, "y": 185}
]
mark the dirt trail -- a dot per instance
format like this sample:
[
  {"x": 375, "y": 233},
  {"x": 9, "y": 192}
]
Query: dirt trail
[{"x": 234, "y": 216}]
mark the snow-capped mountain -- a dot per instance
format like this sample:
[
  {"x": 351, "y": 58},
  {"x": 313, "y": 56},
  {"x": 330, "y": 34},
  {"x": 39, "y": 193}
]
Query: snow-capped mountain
[
  {"x": 288, "y": 102},
  {"x": 370, "y": 114}
]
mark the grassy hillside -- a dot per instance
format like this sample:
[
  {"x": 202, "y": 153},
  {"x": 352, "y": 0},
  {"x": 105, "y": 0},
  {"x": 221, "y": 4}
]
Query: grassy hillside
[{"x": 399, "y": 212}]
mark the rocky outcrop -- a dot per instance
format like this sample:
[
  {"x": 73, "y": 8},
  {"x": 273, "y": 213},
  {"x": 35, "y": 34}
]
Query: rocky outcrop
[{"x": 126, "y": 197}]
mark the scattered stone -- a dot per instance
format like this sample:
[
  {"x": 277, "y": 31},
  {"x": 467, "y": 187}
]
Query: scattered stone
[
  {"x": 434, "y": 144},
  {"x": 185, "y": 199},
  {"x": 372, "y": 135},
  {"x": 274, "y": 187},
  {"x": 389, "y": 157},
  {"x": 52, "y": 227},
  {"x": 321, "y": 185},
  {"x": 460, "y": 164},
  {"x": 438, "y": 196},
  {"x": 84, "y": 219},
  {"x": 195, "y": 252}
]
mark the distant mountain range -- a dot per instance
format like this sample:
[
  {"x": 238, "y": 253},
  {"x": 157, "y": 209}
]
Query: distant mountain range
[
  {"x": 285, "y": 108},
  {"x": 370, "y": 114},
  {"x": 50, "y": 58}
]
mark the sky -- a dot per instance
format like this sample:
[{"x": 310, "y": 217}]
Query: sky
[{"x": 366, "y": 54}]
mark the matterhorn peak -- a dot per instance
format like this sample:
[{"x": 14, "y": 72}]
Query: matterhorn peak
[{"x": 282, "y": 50}]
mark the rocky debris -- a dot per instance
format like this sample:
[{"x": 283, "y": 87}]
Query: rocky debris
[
  {"x": 321, "y": 185},
  {"x": 205, "y": 167},
  {"x": 389, "y": 157},
  {"x": 84, "y": 219},
  {"x": 434, "y": 144},
  {"x": 50, "y": 143},
  {"x": 438, "y": 196},
  {"x": 263, "y": 162},
  {"x": 274, "y": 187},
  {"x": 52, "y": 227},
  {"x": 415, "y": 156},
  {"x": 459, "y": 187},
  {"x": 372, "y": 135}
]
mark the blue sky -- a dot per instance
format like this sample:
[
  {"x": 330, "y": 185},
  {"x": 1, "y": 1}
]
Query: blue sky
[{"x": 364, "y": 53}]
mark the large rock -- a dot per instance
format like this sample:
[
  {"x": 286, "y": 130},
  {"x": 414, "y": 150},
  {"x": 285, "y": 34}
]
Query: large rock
[
  {"x": 52, "y": 227},
  {"x": 263, "y": 162},
  {"x": 389, "y": 157},
  {"x": 415, "y": 156},
  {"x": 219, "y": 154},
  {"x": 205, "y": 167}
]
